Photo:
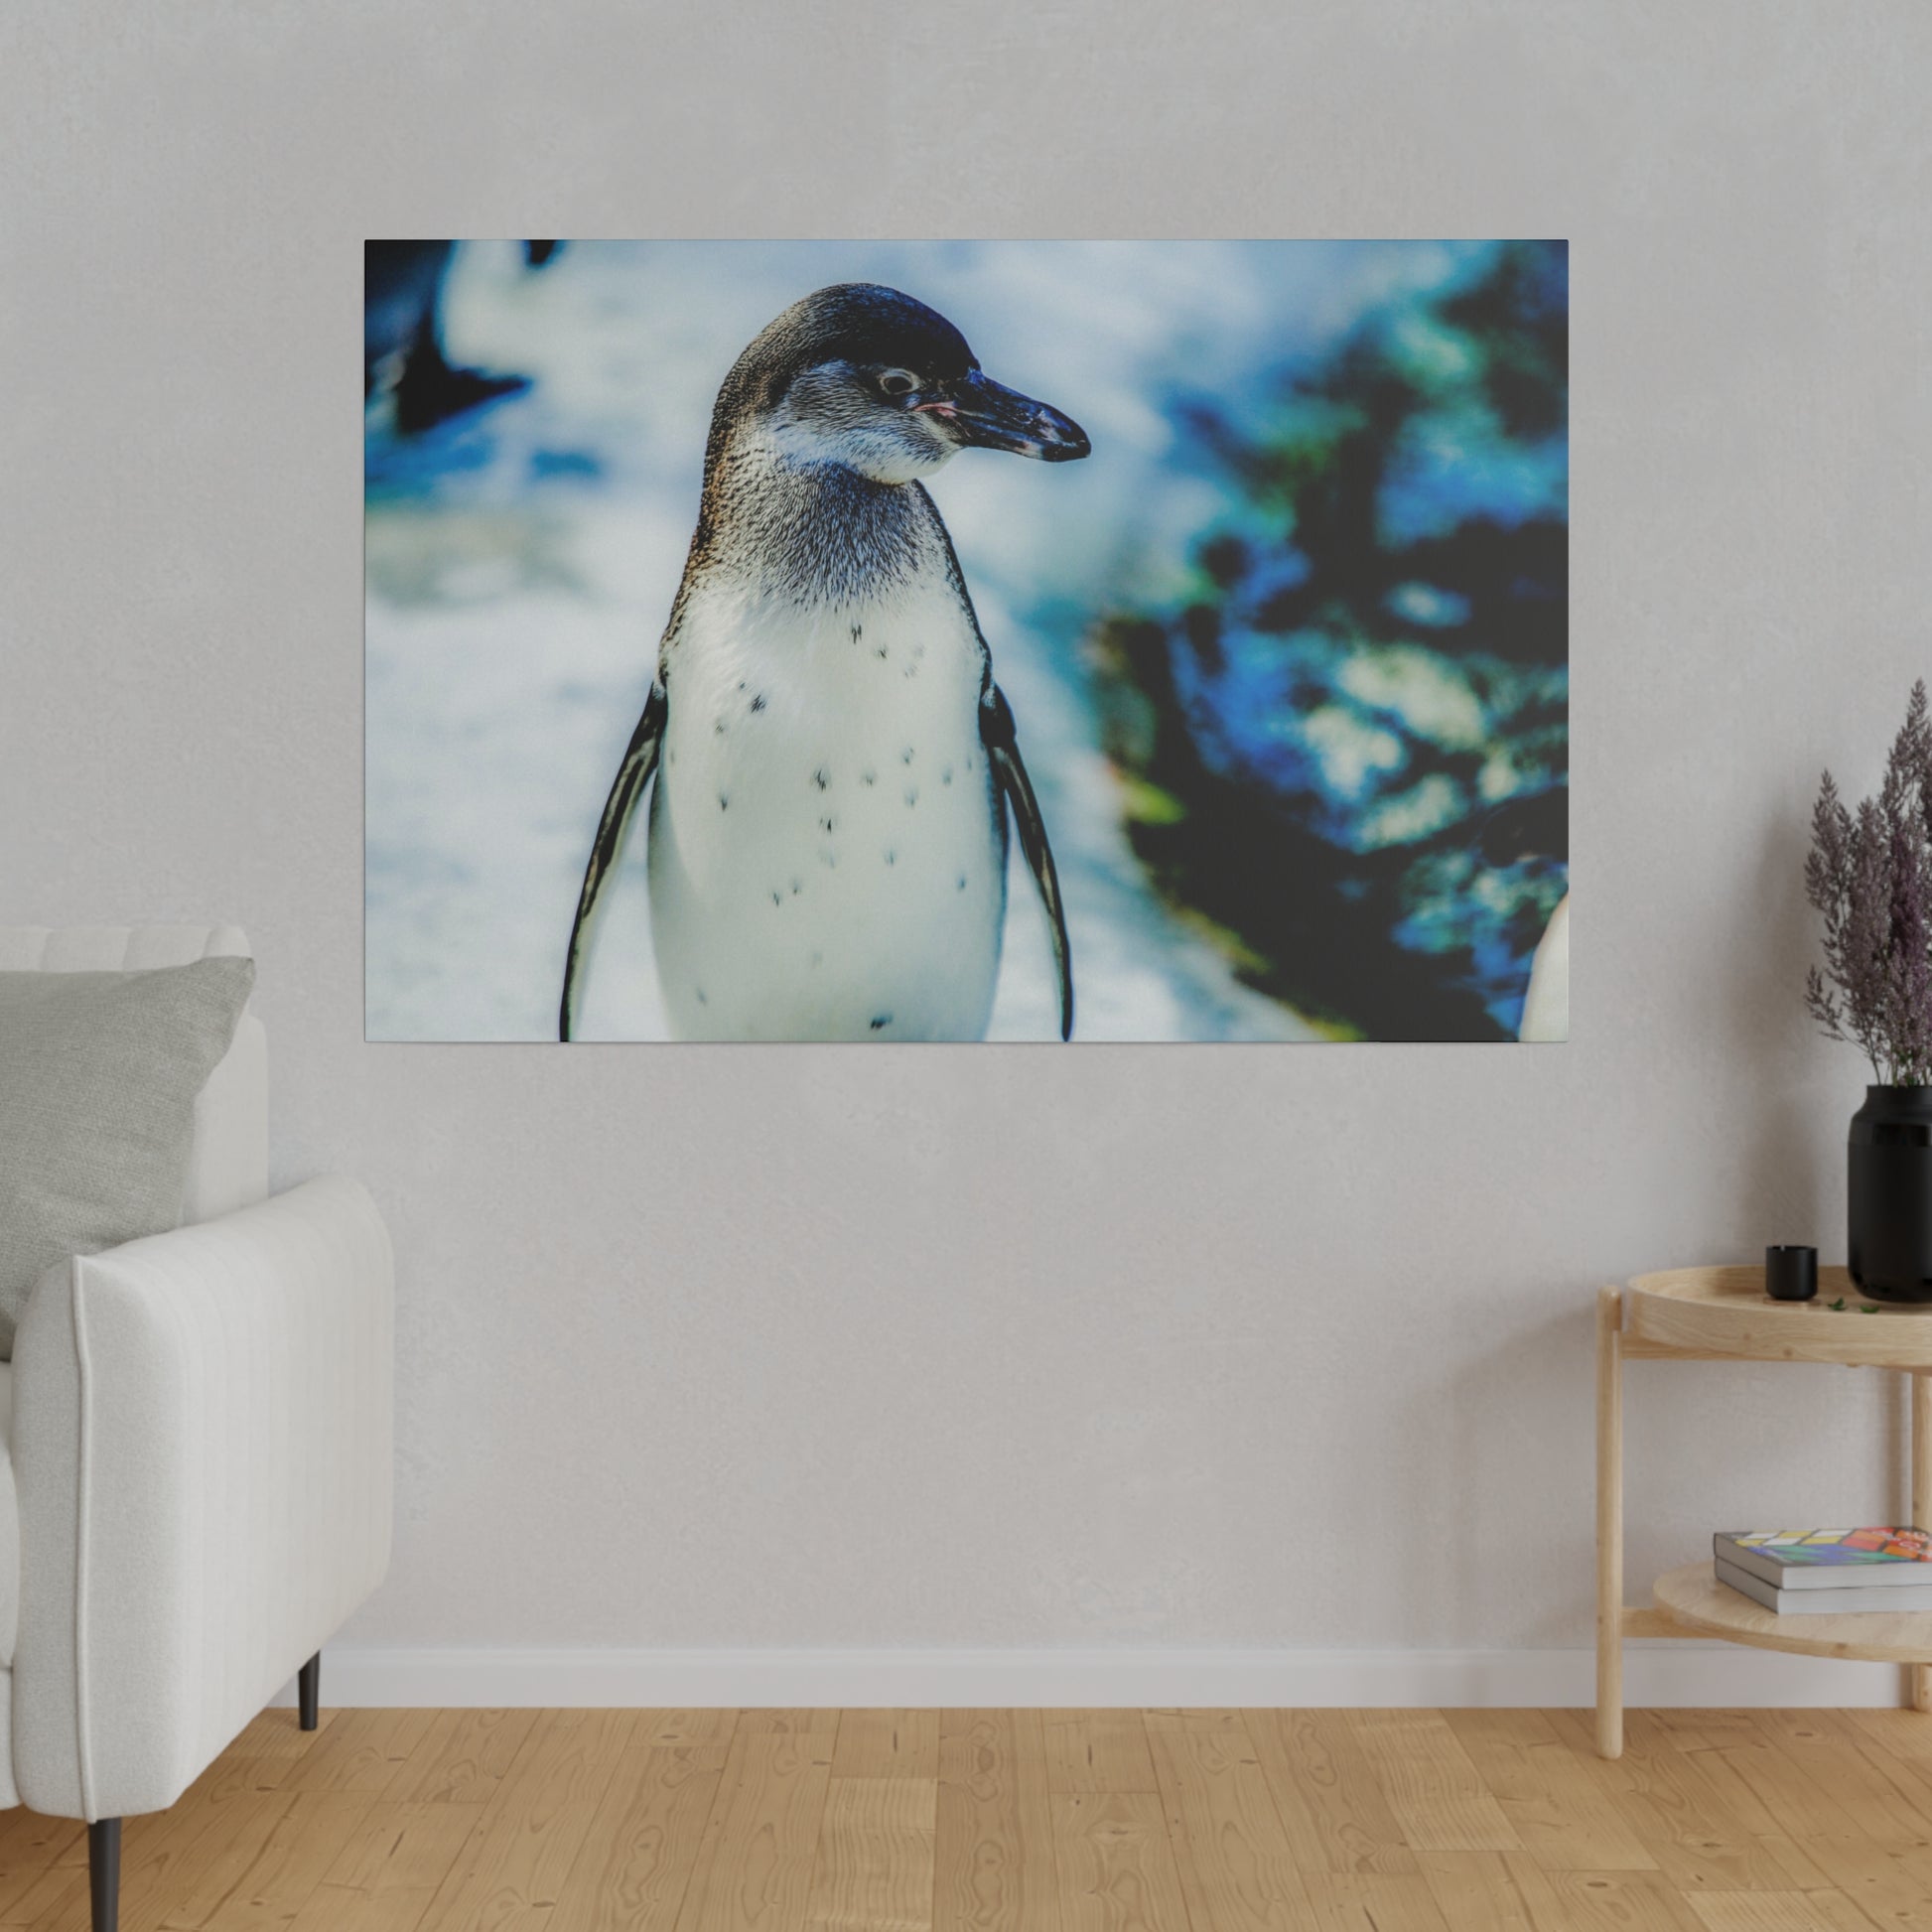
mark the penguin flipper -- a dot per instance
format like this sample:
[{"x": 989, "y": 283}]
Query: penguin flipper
[
  {"x": 1000, "y": 737},
  {"x": 634, "y": 774}
]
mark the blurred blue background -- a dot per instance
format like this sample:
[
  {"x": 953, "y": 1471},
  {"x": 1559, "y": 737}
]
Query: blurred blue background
[{"x": 1288, "y": 653}]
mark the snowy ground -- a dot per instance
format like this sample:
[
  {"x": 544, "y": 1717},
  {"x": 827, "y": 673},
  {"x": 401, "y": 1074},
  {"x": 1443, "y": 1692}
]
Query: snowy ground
[{"x": 521, "y": 564}]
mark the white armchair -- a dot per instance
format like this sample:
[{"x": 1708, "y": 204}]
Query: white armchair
[{"x": 197, "y": 1426}]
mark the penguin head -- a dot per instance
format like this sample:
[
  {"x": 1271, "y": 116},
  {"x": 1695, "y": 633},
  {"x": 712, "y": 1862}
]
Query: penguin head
[{"x": 868, "y": 379}]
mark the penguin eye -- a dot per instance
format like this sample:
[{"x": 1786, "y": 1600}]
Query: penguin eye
[{"x": 899, "y": 382}]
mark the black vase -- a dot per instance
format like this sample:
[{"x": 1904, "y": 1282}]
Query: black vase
[{"x": 1890, "y": 1203}]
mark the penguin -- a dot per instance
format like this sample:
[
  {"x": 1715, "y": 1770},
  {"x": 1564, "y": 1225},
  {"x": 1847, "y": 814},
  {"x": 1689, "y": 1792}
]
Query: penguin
[
  {"x": 1546, "y": 1005},
  {"x": 834, "y": 764},
  {"x": 402, "y": 335}
]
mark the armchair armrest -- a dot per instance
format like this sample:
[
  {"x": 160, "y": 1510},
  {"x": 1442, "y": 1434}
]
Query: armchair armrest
[{"x": 204, "y": 1457}]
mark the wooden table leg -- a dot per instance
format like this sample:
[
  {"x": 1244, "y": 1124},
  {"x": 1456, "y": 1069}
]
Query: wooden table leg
[
  {"x": 1921, "y": 1674},
  {"x": 1609, "y": 1522}
]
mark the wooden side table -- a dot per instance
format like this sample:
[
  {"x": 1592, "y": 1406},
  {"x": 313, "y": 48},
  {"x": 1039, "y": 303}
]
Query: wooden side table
[{"x": 1704, "y": 1314}]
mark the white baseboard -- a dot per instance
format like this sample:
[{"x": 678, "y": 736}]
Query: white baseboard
[{"x": 1665, "y": 1675}]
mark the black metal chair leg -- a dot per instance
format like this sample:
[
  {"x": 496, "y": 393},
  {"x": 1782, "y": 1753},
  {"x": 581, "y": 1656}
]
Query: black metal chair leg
[
  {"x": 308, "y": 1684},
  {"x": 104, "y": 1872}
]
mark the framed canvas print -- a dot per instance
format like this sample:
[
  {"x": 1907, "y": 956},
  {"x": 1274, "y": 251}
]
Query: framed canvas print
[{"x": 954, "y": 640}]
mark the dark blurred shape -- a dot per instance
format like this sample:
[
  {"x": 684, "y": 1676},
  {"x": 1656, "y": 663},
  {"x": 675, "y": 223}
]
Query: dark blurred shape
[
  {"x": 402, "y": 293},
  {"x": 1536, "y": 826},
  {"x": 1346, "y": 756}
]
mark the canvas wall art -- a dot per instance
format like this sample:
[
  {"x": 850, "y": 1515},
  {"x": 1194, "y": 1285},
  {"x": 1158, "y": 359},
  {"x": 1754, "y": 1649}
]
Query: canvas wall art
[{"x": 952, "y": 640}]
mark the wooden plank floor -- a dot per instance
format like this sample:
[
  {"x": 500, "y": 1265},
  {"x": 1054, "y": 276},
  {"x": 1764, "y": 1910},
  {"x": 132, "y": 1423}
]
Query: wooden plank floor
[{"x": 1023, "y": 1821}]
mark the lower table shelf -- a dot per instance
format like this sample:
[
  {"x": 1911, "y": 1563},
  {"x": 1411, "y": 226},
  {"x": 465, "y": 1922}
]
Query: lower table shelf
[
  {"x": 1702, "y": 1314},
  {"x": 1693, "y": 1598}
]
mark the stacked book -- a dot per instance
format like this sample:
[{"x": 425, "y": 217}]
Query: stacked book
[{"x": 1828, "y": 1572}]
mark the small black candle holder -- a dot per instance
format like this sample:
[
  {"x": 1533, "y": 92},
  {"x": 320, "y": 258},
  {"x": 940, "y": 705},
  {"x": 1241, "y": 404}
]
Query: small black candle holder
[{"x": 1791, "y": 1274}]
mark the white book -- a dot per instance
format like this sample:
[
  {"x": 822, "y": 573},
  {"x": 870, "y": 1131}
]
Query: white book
[{"x": 1897, "y": 1599}]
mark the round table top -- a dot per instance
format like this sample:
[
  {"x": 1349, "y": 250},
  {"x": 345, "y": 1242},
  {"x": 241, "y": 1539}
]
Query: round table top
[{"x": 1725, "y": 1312}]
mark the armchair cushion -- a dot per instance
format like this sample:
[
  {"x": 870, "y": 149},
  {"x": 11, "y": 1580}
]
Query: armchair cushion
[{"x": 100, "y": 1073}]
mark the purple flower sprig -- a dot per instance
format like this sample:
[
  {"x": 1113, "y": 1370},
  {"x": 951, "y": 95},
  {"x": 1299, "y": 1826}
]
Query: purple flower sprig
[{"x": 1869, "y": 875}]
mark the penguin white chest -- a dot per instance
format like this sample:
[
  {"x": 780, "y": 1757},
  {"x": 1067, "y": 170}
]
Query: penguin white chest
[{"x": 827, "y": 846}]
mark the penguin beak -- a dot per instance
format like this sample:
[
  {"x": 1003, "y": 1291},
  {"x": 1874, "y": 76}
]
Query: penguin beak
[{"x": 987, "y": 415}]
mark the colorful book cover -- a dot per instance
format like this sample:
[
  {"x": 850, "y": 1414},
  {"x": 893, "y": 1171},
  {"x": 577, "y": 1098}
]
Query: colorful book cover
[{"x": 1823, "y": 1549}]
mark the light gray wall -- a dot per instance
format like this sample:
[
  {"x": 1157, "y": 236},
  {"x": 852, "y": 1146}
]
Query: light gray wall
[{"x": 891, "y": 1345}]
